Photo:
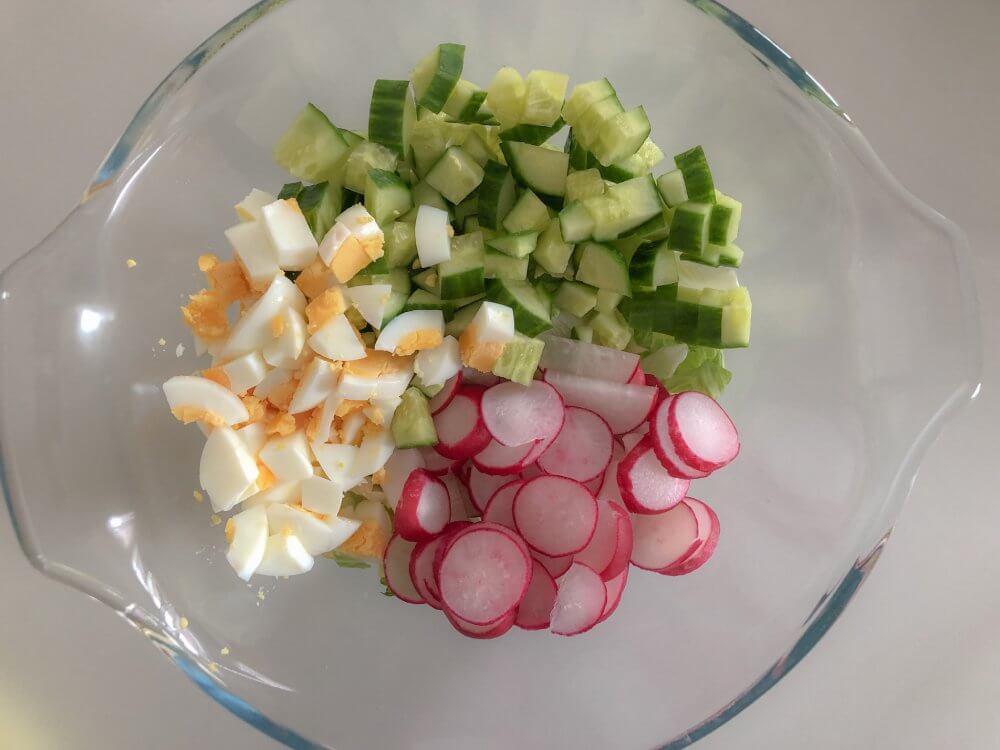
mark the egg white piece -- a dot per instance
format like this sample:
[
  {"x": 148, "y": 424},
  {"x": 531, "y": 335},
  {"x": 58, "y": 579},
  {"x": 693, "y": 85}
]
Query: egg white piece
[
  {"x": 249, "y": 209},
  {"x": 338, "y": 340},
  {"x": 274, "y": 378},
  {"x": 288, "y": 456},
  {"x": 193, "y": 392},
  {"x": 290, "y": 234},
  {"x": 227, "y": 468},
  {"x": 313, "y": 532},
  {"x": 357, "y": 387},
  {"x": 410, "y": 325},
  {"x": 253, "y": 331},
  {"x": 253, "y": 436},
  {"x": 432, "y": 235},
  {"x": 392, "y": 384},
  {"x": 317, "y": 383},
  {"x": 371, "y": 301},
  {"x": 435, "y": 366},
  {"x": 381, "y": 410},
  {"x": 361, "y": 223},
  {"x": 289, "y": 493},
  {"x": 334, "y": 239},
  {"x": 284, "y": 555},
  {"x": 375, "y": 450},
  {"x": 336, "y": 461},
  {"x": 326, "y": 416},
  {"x": 249, "y": 530},
  {"x": 283, "y": 350},
  {"x": 322, "y": 496},
  {"x": 397, "y": 469},
  {"x": 350, "y": 427},
  {"x": 341, "y": 529},
  {"x": 254, "y": 252},
  {"x": 245, "y": 372},
  {"x": 493, "y": 323}
]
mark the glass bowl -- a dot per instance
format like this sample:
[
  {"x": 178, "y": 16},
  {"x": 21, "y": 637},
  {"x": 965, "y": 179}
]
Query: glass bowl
[{"x": 864, "y": 344}]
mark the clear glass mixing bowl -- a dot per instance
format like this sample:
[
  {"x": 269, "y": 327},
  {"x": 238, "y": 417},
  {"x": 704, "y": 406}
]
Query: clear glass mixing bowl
[{"x": 864, "y": 344}]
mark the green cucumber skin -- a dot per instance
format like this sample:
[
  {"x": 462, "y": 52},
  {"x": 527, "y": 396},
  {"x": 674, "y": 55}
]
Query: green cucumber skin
[
  {"x": 388, "y": 113},
  {"x": 535, "y": 135},
  {"x": 526, "y": 321},
  {"x": 412, "y": 425},
  {"x": 387, "y": 197},
  {"x": 548, "y": 179},
  {"x": 312, "y": 147},
  {"x": 451, "y": 60},
  {"x": 320, "y": 204},
  {"x": 496, "y": 195},
  {"x": 290, "y": 190},
  {"x": 455, "y": 175},
  {"x": 604, "y": 267},
  {"x": 689, "y": 227},
  {"x": 421, "y": 299},
  {"x": 697, "y": 176}
]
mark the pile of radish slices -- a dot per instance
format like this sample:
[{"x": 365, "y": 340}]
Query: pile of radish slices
[{"x": 536, "y": 499}]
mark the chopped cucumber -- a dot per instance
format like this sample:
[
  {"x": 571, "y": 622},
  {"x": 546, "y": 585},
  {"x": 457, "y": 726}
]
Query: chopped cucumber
[
  {"x": 552, "y": 253},
  {"x": 639, "y": 163},
  {"x": 290, "y": 190},
  {"x": 576, "y": 222},
  {"x": 698, "y": 180},
  {"x": 657, "y": 228},
  {"x": 653, "y": 265},
  {"x": 531, "y": 310},
  {"x": 465, "y": 209},
  {"x": 519, "y": 245},
  {"x": 533, "y": 134},
  {"x": 350, "y": 137},
  {"x": 455, "y": 175},
  {"x": 543, "y": 97},
  {"x": 621, "y": 136},
  {"x": 528, "y": 214},
  {"x": 736, "y": 319},
  {"x": 365, "y": 156},
  {"x": 397, "y": 278},
  {"x": 462, "y": 275},
  {"x": 499, "y": 265},
  {"x": 319, "y": 203},
  {"x": 391, "y": 116},
  {"x": 400, "y": 245},
  {"x": 461, "y": 319},
  {"x": 583, "y": 184},
  {"x": 312, "y": 148},
  {"x": 689, "y": 227},
  {"x": 611, "y": 329},
  {"x": 579, "y": 157},
  {"x": 698, "y": 276},
  {"x": 435, "y": 77},
  {"x": 477, "y": 149},
  {"x": 724, "y": 224},
  {"x": 623, "y": 207},
  {"x": 465, "y": 101},
  {"x": 604, "y": 267},
  {"x": 386, "y": 196},
  {"x": 575, "y": 298},
  {"x": 496, "y": 195},
  {"x": 421, "y": 299},
  {"x": 505, "y": 97},
  {"x": 588, "y": 128},
  {"x": 583, "y": 96},
  {"x": 424, "y": 195},
  {"x": 730, "y": 255},
  {"x": 428, "y": 280},
  {"x": 412, "y": 425},
  {"x": 519, "y": 360},
  {"x": 541, "y": 169},
  {"x": 671, "y": 187},
  {"x": 607, "y": 301},
  {"x": 583, "y": 332}
]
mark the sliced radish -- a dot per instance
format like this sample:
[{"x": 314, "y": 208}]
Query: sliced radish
[
  {"x": 638, "y": 377},
  {"x": 622, "y": 406},
  {"x": 629, "y": 441},
  {"x": 485, "y": 379},
  {"x": 461, "y": 506},
  {"x": 536, "y": 607},
  {"x": 532, "y": 471},
  {"x": 396, "y": 562},
  {"x": 461, "y": 433},
  {"x": 645, "y": 485},
  {"x": 424, "y": 507},
  {"x": 610, "y": 548},
  {"x": 698, "y": 557},
  {"x": 557, "y": 566},
  {"x": 482, "y": 632},
  {"x": 703, "y": 435},
  {"x": 517, "y": 414},
  {"x": 555, "y": 516},
  {"x": 397, "y": 470},
  {"x": 483, "y": 486},
  {"x": 484, "y": 573},
  {"x": 580, "y": 358},
  {"x": 664, "y": 539},
  {"x": 443, "y": 397},
  {"x": 661, "y": 392},
  {"x": 434, "y": 462},
  {"x": 609, "y": 487},
  {"x": 615, "y": 588},
  {"x": 582, "y": 449},
  {"x": 443, "y": 541},
  {"x": 499, "y": 509},
  {"x": 664, "y": 446},
  {"x": 579, "y": 602},
  {"x": 624, "y": 540},
  {"x": 422, "y": 571},
  {"x": 594, "y": 485},
  {"x": 501, "y": 460}
]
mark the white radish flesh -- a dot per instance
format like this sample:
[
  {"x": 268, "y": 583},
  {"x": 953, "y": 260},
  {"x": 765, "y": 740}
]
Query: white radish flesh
[
  {"x": 659, "y": 433},
  {"x": 434, "y": 462},
  {"x": 460, "y": 430},
  {"x": 443, "y": 397},
  {"x": 702, "y": 433},
  {"x": 422, "y": 571},
  {"x": 500, "y": 460},
  {"x": 424, "y": 507},
  {"x": 609, "y": 487},
  {"x": 624, "y": 543},
  {"x": 396, "y": 563},
  {"x": 536, "y": 607},
  {"x": 580, "y": 358},
  {"x": 397, "y": 471},
  {"x": 517, "y": 414},
  {"x": 483, "y": 486},
  {"x": 482, "y": 632},
  {"x": 664, "y": 539},
  {"x": 624, "y": 407},
  {"x": 615, "y": 588},
  {"x": 706, "y": 547},
  {"x": 582, "y": 449},
  {"x": 601, "y": 548},
  {"x": 646, "y": 486},
  {"x": 579, "y": 602},
  {"x": 500, "y": 507},
  {"x": 555, "y": 516},
  {"x": 557, "y": 566}
]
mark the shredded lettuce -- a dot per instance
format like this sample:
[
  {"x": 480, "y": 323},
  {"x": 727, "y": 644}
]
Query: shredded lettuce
[
  {"x": 345, "y": 561},
  {"x": 703, "y": 370}
]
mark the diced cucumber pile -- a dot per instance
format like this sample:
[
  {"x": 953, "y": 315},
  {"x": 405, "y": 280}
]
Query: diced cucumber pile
[{"x": 585, "y": 231}]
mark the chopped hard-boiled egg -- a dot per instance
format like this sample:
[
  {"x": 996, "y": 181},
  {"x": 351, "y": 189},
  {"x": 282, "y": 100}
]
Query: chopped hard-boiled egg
[
  {"x": 326, "y": 306},
  {"x": 256, "y": 255},
  {"x": 254, "y": 330},
  {"x": 337, "y": 340},
  {"x": 336, "y": 461},
  {"x": 253, "y": 436},
  {"x": 288, "y": 456},
  {"x": 288, "y": 329},
  {"x": 195, "y": 399},
  {"x": 397, "y": 470},
  {"x": 284, "y": 555},
  {"x": 317, "y": 383},
  {"x": 483, "y": 340},
  {"x": 341, "y": 529},
  {"x": 435, "y": 366},
  {"x": 375, "y": 450},
  {"x": 351, "y": 426},
  {"x": 412, "y": 331},
  {"x": 310, "y": 528},
  {"x": 247, "y": 533},
  {"x": 245, "y": 372},
  {"x": 228, "y": 470},
  {"x": 324, "y": 418},
  {"x": 433, "y": 235},
  {"x": 380, "y": 411},
  {"x": 371, "y": 300},
  {"x": 275, "y": 378},
  {"x": 289, "y": 493},
  {"x": 290, "y": 234},
  {"x": 322, "y": 496},
  {"x": 249, "y": 209},
  {"x": 363, "y": 226}
]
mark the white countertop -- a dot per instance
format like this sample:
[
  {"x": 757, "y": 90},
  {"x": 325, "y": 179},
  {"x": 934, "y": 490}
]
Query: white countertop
[{"x": 914, "y": 662}]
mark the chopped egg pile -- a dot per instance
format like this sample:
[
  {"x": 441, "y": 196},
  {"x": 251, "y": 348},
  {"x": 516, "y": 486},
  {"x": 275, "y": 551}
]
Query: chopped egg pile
[{"x": 298, "y": 399}]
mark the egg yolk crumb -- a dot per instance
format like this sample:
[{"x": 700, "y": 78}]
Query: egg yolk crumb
[
  {"x": 217, "y": 375},
  {"x": 230, "y": 530},
  {"x": 350, "y": 258},
  {"x": 326, "y": 306},
  {"x": 189, "y": 414},
  {"x": 314, "y": 279},
  {"x": 368, "y": 541},
  {"x": 417, "y": 340},
  {"x": 255, "y": 408},
  {"x": 281, "y": 395},
  {"x": 265, "y": 477},
  {"x": 216, "y": 519},
  {"x": 198, "y": 496},
  {"x": 205, "y": 315},
  {"x": 131, "y": 263},
  {"x": 282, "y": 423}
]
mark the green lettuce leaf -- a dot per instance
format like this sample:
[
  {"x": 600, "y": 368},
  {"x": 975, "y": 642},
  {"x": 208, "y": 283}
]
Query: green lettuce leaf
[
  {"x": 345, "y": 561},
  {"x": 703, "y": 370}
]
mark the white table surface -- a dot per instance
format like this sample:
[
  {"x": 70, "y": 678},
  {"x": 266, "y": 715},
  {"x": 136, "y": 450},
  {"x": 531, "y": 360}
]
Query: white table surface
[{"x": 915, "y": 661}]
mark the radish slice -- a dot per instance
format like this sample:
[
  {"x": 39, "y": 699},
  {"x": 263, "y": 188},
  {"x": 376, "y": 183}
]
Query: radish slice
[
  {"x": 434, "y": 462},
  {"x": 603, "y": 544},
  {"x": 582, "y": 449},
  {"x": 517, "y": 414},
  {"x": 624, "y": 540},
  {"x": 554, "y": 515},
  {"x": 461, "y": 433},
  {"x": 705, "y": 549},
  {"x": 484, "y": 573},
  {"x": 615, "y": 588},
  {"x": 422, "y": 571},
  {"x": 629, "y": 441},
  {"x": 638, "y": 377},
  {"x": 483, "y": 486},
  {"x": 397, "y": 470},
  {"x": 579, "y": 602},
  {"x": 424, "y": 507},
  {"x": 396, "y": 562},
  {"x": 482, "y": 632},
  {"x": 536, "y": 607},
  {"x": 557, "y": 566},
  {"x": 461, "y": 506},
  {"x": 661, "y": 392},
  {"x": 622, "y": 406},
  {"x": 609, "y": 487},
  {"x": 485, "y": 379},
  {"x": 499, "y": 509},
  {"x": 500, "y": 460},
  {"x": 594, "y": 485},
  {"x": 660, "y": 434},
  {"x": 443, "y": 397},
  {"x": 580, "y": 358},
  {"x": 532, "y": 471},
  {"x": 703, "y": 435},
  {"x": 664, "y": 539},
  {"x": 443, "y": 541},
  {"x": 645, "y": 485}
]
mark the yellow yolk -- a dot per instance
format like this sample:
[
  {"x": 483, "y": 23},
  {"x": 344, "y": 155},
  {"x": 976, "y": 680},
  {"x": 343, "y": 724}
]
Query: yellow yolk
[
  {"x": 230, "y": 530},
  {"x": 373, "y": 246},
  {"x": 218, "y": 375},
  {"x": 294, "y": 205},
  {"x": 477, "y": 354},
  {"x": 346, "y": 406},
  {"x": 417, "y": 340},
  {"x": 378, "y": 477},
  {"x": 277, "y": 326},
  {"x": 205, "y": 314},
  {"x": 350, "y": 259},
  {"x": 255, "y": 408},
  {"x": 189, "y": 414},
  {"x": 265, "y": 477},
  {"x": 370, "y": 428},
  {"x": 314, "y": 279},
  {"x": 375, "y": 364},
  {"x": 368, "y": 541},
  {"x": 281, "y": 395},
  {"x": 282, "y": 423},
  {"x": 326, "y": 306},
  {"x": 312, "y": 426},
  {"x": 227, "y": 281}
]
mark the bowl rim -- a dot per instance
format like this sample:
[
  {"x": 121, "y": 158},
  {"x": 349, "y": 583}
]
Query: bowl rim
[{"x": 829, "y": 607}]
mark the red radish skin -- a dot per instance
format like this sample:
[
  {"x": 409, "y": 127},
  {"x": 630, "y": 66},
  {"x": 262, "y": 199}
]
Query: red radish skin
[
  {"x": 502, "y": 460},
  {"x": 705, "y": 549},
  {"x": 557, "y": 566},
  {"x": 703, "y": 435},
  {"x": 580, "y": 358},
  {"x": 422, "y": 571},
  {"x": 638, "y": 377},
  {"x": 579, "y": 602},
  {"x": 475, "y": 377},
  {"x": 424, "y": 507},
  {"x": 482, "y": 487},
  {"x": 629, "y": 441},
  {"x": 661, "y": 392},
  {"x": 664, "y": 446},
  {"x": 461, "y": 433},
  {"x": 647, "y": 487},
  {"x": 609, "y": 487},
  {"x": 582, "y": 449},
  {"x": 601, "y": 548},
  {"x": 482, "y": 632},
  {"x": 624, "y": 407},
  {"x": 516, "y": 414},
  {"x": 554, "y": 515},
  {"x": 396, "y": 563},
  {"x": 662, "y": 540},
  {"x": 615, "y": 588},
  {"x": 397, "y": 470},
  {"x": 623, "y": 550},
  {"x": 499, "y": 509},
  {"x": 435, "y": 463},
  {"x": 536, "y": 607},
  {"x": 484, "y": 574},
  {"x": 443, "y": 397},
  {"x": 540, "y": 447}
]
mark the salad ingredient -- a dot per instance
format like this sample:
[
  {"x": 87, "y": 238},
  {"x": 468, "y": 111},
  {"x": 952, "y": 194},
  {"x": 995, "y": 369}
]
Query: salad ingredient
[
  {"x": 664, "y": 539},
  {"x": 396, "y": 567},
  {"x": 581, "y": 450},
  {"x": 622, "y": 406},
  {"x": 611, "y": 542},
  {"x": 443, "y": 397},
  {"x": 460, "y": 430},
  {"x": 708, "y": 538},
  {"x": 555, "y": 515},
  {"x": 424, "y": 507},
  {"x": 515, "y": 414},
  {"x": 500, "y": 460},
  {"x": 412, "y": 425},
  {"x": 702, "y": 433},
  {"x": 500, "y": 507},
  {"x": 285, "y": 555},
  {"x": 246, "y": 533},
  {"x": 614, "y": 590},
  {"x": 580, "y": 601},
  {"x": 647, "y": 487},
  {"x": 534, "y": 612}
]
